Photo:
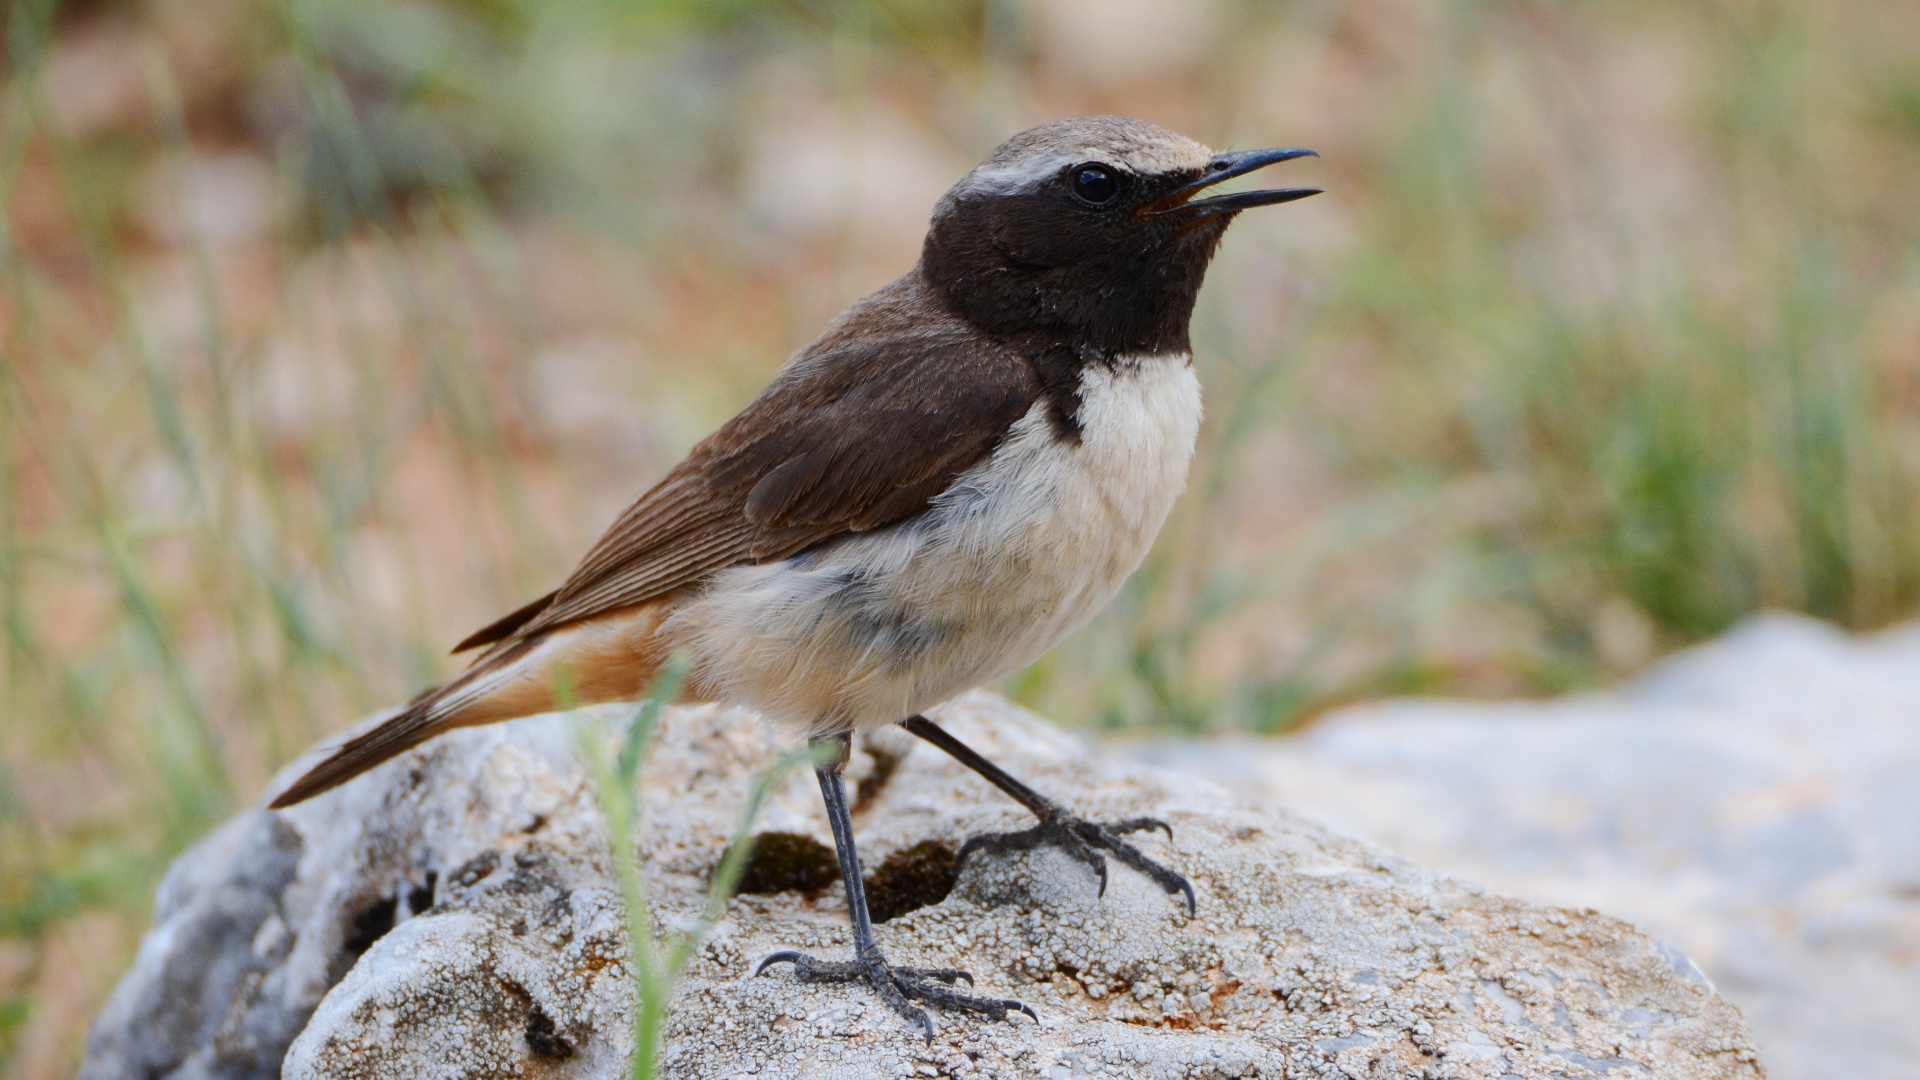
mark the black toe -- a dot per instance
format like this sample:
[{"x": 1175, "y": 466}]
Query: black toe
[
  {"x": 899, "y": 987},
  {"x": 1086, "y": 841}
]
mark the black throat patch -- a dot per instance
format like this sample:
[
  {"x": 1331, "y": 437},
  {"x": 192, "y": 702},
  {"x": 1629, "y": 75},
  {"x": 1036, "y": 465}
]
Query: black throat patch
[{"x": 1059, "y": 365}]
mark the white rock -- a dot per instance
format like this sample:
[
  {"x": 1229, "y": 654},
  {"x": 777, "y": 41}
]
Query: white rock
[
  {"x": 451, "y": 915},
  {"x": 1755, "y": 801}
]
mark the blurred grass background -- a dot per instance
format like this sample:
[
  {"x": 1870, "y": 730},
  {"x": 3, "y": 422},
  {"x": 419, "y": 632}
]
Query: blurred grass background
[{"x": 334, "y": 328}]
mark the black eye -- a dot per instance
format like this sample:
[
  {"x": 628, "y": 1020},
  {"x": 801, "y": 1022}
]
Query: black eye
[{"x": 1096, "y": 184}]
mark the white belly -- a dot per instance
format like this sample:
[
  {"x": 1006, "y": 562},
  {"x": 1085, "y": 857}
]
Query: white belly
[{"x": 1021, "y": 551}]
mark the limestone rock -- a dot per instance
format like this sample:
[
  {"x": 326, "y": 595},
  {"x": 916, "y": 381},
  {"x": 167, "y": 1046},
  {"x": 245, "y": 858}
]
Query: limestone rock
[
  {"x": 452, "y": 915},
  {"x": 1753, "y": 801}
]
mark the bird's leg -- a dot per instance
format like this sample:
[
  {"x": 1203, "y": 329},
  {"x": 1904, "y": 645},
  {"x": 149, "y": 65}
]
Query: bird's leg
[
  {"x": 899, "y": 987},
  {"x": 1084, "y": 840}
]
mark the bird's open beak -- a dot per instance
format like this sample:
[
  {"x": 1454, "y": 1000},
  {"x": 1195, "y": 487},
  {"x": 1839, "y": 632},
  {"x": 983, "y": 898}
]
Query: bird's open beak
[{"x": 1225, "y": 167}]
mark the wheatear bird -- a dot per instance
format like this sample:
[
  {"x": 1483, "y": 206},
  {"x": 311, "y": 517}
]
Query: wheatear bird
[{"x": 958, "y": 473}]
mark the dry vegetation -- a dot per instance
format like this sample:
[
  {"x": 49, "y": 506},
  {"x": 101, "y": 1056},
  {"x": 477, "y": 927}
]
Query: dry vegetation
[{"x": 333, "y": 328}]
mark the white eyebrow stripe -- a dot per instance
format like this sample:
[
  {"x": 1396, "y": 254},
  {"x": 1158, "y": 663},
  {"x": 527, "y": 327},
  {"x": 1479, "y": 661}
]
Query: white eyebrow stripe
[
  {"x": 1016, "y": 178},
  {"x": 1026, "y": 171}
]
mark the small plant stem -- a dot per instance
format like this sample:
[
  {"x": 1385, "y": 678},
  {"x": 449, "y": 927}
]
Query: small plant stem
[{"x": 659, "y": 956}]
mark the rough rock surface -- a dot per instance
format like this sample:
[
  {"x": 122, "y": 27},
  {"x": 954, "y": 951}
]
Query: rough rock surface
[
  {"x": 1755, "y": 801},
  {"x": 451, "y": 915}
]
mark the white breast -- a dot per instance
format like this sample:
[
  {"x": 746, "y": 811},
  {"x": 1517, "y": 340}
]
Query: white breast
[{"x": 1019, "y": 552}]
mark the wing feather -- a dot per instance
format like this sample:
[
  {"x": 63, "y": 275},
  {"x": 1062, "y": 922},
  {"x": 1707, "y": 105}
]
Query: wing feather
[{"x": 856, "y": 434}]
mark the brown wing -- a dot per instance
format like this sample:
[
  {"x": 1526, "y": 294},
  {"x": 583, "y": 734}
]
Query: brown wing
[{"x": 854, "y": 437}]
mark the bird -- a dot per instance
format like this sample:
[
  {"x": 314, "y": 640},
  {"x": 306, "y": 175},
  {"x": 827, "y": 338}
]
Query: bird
[{"x": 961, "y": 470}]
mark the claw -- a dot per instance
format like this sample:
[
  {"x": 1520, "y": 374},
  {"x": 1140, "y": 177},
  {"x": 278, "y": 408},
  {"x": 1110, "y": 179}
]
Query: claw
[
  {"x": 898, "y": 987},
  {"x": 1080, "y": 839},
  {"x": 1077, "y": 846},
  {"x": 784, "y": 956},
  {"x": 971, "y": 845},
  {"x": 1141, "y": 824}
]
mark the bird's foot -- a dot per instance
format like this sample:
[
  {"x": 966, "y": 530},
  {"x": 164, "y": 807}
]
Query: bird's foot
[
  {"x": 899, "y": 987},
  {"x": 1086, "y": 840}
]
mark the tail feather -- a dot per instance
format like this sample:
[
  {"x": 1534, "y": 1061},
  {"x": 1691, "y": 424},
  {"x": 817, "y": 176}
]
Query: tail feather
[
  {"x": 396, "y": 736},
  {"x": 609, "y": 658},
  {"x": 431, "y": 714}
]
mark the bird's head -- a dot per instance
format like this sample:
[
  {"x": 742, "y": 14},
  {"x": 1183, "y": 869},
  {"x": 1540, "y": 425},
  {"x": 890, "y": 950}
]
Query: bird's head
[{"x": 1092, "y": 227}]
